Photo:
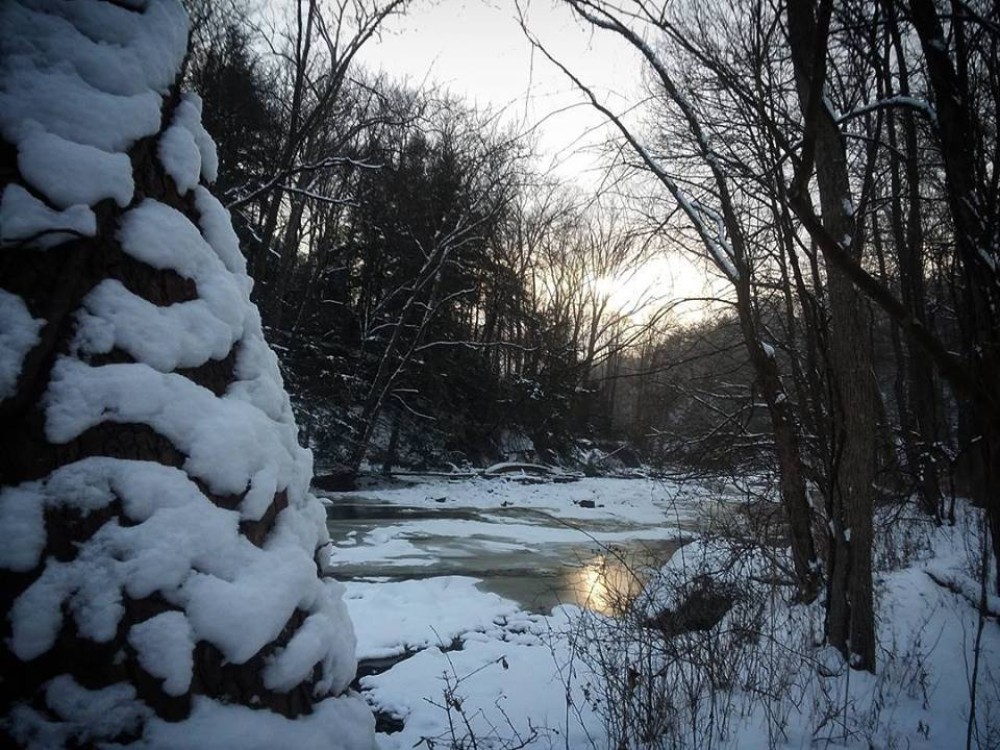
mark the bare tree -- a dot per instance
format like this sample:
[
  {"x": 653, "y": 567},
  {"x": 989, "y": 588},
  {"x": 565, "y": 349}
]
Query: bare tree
[
  {"x": 850, "y": 624},
  {"x": 719, "y": 226}
]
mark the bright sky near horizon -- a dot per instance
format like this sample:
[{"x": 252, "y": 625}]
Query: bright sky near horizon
[{"x": 477, "y": 49}]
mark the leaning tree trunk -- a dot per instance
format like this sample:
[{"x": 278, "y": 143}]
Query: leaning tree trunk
[{"x": 160, "y": 564}]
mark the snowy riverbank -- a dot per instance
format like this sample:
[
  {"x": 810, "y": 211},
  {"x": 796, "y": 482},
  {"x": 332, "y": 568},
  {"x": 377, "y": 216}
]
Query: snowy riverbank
[{"x": 481, "y": 664}]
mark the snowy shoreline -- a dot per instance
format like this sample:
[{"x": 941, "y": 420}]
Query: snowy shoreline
[{"x": 518, "y": 676}]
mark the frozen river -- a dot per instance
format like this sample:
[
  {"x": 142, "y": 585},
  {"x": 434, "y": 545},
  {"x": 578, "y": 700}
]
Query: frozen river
[
  {"x": 540, "y": 545},
  {"x": 462, "y": 577}
]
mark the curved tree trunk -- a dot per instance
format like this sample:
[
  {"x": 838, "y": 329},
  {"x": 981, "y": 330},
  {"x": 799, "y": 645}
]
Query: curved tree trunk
[{"x": 160, "y": 568}]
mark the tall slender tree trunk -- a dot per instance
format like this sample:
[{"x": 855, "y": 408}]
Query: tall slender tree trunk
[
  {"x": 919, "y": 392},
  {"x": 978, "y": 256},
  {"x": 850, "y": 609}
]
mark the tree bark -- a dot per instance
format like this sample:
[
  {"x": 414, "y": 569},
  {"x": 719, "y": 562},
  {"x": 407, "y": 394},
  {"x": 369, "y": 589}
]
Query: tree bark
[
  {"x": 978, "y": 255},
  {"x": 85, "y": 495},
  {"x": 850, "y": 609}
]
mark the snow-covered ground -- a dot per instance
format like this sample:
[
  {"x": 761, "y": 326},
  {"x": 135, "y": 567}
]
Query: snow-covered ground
[{"x": 483, "y": 666}]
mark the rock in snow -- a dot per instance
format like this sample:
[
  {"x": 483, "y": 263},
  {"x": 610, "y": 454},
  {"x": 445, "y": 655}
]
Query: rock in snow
[{"x": 159, "y": 563}]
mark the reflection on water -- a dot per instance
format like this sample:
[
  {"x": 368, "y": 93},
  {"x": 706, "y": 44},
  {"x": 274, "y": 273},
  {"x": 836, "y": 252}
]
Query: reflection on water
[
  {"x": 607, "y": 584},
  {"x": 605, "y": 581}
]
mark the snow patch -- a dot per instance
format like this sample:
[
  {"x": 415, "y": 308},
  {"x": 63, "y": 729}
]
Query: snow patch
[
  {"x": 227, "y": 441},
  {"x": 71, "y": 173},
  {"x": 23, "y": 217},
  {"x": 89, "y": 72},
  {"x": 84, "y": 715},
  {"x": 162, "y": 237},
  {"x": 165, "y": 646},
  {"x": 186, "y": 151},
  {"x": 345, "y": 723},
  {"x": 234, "y": 594},
  {"x": 186, "y": 334},
  {"x": 18, "y": 336},
  {"x": 425, "y": 612},
  {"x": 217, "y": 228}
]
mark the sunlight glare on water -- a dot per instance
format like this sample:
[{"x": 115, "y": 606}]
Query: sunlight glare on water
[{"x": 606, "y": 585}]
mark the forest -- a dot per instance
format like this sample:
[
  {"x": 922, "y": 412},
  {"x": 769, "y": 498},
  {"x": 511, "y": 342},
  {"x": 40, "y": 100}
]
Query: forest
[
  {"x": 237, "y": 182},
  {"x": 836, "y": 170}
]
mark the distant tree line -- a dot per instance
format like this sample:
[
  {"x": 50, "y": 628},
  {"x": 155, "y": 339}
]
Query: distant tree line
[{"x": 415, "y": 271}]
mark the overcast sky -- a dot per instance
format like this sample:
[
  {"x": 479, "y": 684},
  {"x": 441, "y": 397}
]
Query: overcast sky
[{"x": 476, "y": 48}]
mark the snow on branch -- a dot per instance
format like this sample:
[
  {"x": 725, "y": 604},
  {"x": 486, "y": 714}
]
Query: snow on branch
[{"x": 893, "y": 102}]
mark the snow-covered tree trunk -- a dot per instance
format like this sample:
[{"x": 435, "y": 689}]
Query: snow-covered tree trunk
[{"x": 161, "y": 554}]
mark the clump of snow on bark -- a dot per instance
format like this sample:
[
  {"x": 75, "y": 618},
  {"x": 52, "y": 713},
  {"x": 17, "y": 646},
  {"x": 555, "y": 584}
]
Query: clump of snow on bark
[
  {"x": 186, "y": 334},
  {"x": 23, "y": 217},
  {"x": 89, "y": 72},
  {"x": 186, "y": 150},
  {"x": 227, "y": 440},
  {"x": 18, "y": 334},
  {"x": 217, "y": 228},
  {"x": 165, "y": 645},
  {"x": 311, "y": 645},
  {"x": 179, "y": 544},
  {"x": 71, "y": 173},
  {"x": 80, "y": 83},
  {"x": 163, "y": 238},
  {"x": 54, "y": 97},
  {"x": 81, "y": 715}
]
